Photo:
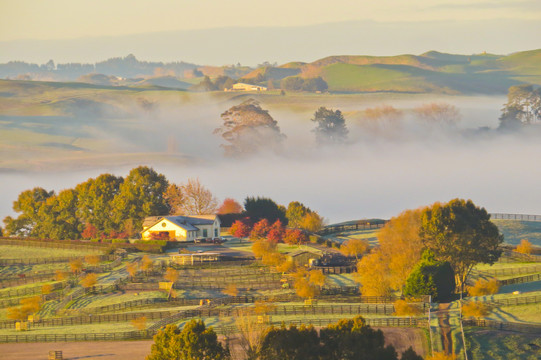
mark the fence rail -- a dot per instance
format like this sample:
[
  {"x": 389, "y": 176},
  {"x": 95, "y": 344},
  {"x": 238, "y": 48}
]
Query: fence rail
[
  {"x": 331, "y": 229},
  {"x": 130, "y": 335},
  {"x": 509, "y": 326},
  {"x": 55, "y": 244},
  {"x": 520, "y": 279},
  {"x": 509, "y": 271},
  {"x": 513, "y": 301},
  {"x": 520, "y": 217}
]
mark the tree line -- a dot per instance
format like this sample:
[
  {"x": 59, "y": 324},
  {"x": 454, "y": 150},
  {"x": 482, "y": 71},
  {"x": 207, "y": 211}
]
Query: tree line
[
  {"x": 346, "y": 339},
  {"x": 110, "y": 206},
  {"x": 430, "y": 250}
]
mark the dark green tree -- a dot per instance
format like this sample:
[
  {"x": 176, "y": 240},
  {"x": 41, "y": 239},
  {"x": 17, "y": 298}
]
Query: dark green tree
[
  {"x": 194, "y": 342},
  {"x": 28, "y": 204},
  {"x": 263, "y": 208},
  {"x": 409, "y": 354},
  {"x": 331, "y": 126},
  {"x": 430, "y": 277},
  {"x": 293, "y": 83},
  {"x": 58, "y": 217},
  {"x": 315, "y": 84},
  {"x": 140, "y": 195},
  {"x": 290, "y": 343},
  {"x": 462, "y": 234},
  {"x": 352, "y": 339},
  {"x": 95, "y": 204}
]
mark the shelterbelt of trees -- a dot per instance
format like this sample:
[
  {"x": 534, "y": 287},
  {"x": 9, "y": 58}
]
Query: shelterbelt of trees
[{"x": 110, "y": 206}]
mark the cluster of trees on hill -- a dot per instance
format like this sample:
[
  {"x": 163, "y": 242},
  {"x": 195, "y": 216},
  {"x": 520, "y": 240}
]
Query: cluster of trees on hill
[
  {"x": 128, "y": 66},
  {"x": 346, "y": 339},
  {"x": 428, "y": 250},
  {"x": 247, "y": 128},
  {"x": 111, "y": 206}
]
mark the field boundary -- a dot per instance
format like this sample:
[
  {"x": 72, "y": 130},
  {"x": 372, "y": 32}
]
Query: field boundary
[{"x": 499, "y": 325}]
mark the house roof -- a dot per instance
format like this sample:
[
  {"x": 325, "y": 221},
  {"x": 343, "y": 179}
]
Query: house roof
[{"x": 300, "y": 252}]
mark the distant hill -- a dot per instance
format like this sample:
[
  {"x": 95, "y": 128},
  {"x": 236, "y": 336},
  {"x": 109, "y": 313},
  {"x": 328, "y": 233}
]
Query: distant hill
[{"x": 430, "y": 72}]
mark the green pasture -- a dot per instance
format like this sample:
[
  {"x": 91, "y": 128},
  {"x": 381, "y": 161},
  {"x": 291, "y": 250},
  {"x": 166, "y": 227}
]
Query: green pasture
[
  {"x": 509, "y": 295},
  {"x": 76, "y": 329},
  {"x": 369, "y": 235},
  {"x": 485, "y": 344},
  {"x": 530, "y": 313},
  {"x": 514, "y": 231},
  {"x": 97, "y": 300},
  {"x": 26, "y": 252},
  {"x": 341, "y": 280}
]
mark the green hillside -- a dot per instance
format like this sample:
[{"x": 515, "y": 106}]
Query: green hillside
[{"x": 431, "y": 72}]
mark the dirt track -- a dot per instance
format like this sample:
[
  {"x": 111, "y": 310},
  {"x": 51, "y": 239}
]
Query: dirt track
[
  {"x": 403, "y": 338},
  {"x": 97, "y": 350}
]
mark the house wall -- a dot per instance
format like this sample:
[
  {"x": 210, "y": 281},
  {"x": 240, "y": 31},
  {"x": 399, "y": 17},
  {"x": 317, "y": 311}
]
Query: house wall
[
  {"x": 175, "y": 232},
  {"x": 213, "y": 230}
]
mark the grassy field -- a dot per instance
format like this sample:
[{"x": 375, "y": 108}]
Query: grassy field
[
  {"x": 369, "y": 235},
  {"x": 515, "y": 231},
  {"x": 521, "y": 313},
  {"x": 501, "y": 345},
  {"x": 26, "y": 252},
  {"x": 78, "y": 329},
  {"x": 97, "y": 300}
]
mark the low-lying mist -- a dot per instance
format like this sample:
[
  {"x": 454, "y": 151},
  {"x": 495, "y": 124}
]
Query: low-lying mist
[{"x": 379, "y": 172}]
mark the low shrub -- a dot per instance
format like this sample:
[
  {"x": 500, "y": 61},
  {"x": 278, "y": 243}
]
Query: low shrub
[
  {"x": 474, "y": 308},
  {"x": 402, "y": 308},
  {"x": 483, "y": 287}
]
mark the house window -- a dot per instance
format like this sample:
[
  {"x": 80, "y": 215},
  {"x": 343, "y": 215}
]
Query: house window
[
  {"x": 205, "y": 233},
  {"x": 215, "y": 232},
  {"x": 164, "y": 224}
]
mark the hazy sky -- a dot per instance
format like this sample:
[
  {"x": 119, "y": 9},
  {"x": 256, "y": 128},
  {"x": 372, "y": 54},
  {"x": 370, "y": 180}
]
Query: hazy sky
[{"x": 63, "y": 19}]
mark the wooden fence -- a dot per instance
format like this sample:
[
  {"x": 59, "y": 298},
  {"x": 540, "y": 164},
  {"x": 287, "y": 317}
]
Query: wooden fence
[
  {"x": 130, "y": 335},
  {"x": 513, "y": 301},
  {"x": 509, "y": 271},
  {"x": 520, "y": 217},
  {"x": 330, "y": 229},
  {"x": 48, "y": 260},
  {"x": 55, "y": 244},
  {"x": 498, "y": 325},
  {"x": 30, "y": 290},
  {"x": 520, "y": 279}
]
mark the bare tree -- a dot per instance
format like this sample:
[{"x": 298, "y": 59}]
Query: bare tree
[
  {"x": 198, "y": 199},
  {"x": 438, "y": 114}
]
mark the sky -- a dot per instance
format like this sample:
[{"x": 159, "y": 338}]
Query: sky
[{"x": 64, "y": 19}]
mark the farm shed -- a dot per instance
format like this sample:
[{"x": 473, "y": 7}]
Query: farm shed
[
  {"x": 303, "y": 257},
  {"x": 181, "y": 228}
]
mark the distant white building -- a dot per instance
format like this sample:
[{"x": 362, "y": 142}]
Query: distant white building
[{"x": 246, "y": 87}]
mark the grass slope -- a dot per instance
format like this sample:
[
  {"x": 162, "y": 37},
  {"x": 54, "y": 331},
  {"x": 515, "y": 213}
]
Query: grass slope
[{"x": 514, "y": 231}]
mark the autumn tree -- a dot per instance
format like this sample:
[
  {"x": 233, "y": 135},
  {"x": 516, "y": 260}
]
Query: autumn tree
[
  {"x": 139, "y": 323},
  {"x": 171, "y": 275},
  {"x": 294, "y": 237},
  {"x": 316, "y": 278},
  {"x": 230, "y": 206},
  {"x": 46, "y": 289},
  {"x": 462, "y": 234},
  {"x": 60, "y": 275},
  {"x": 295, "y": 213},
  {"x": 194, "y": 342},
  {"x": 382, "y": 119},
  {"x": 373, "y": 275},
  {"x": 354, "y": 247},
  {"x": 312, "y": 222},
  {"x": 260, "y": 229},
  {"x": 276, "y": 232},
  {"x": 525, "y": 247},
  {"x": 330, "y": 126},
  {"x": 403, "y": 308},
  {"x": 76, "y": 265},
  {"x": 174, "y": 197},
  {"x": 198, "y": 200},
  {"x": 484, "y": 287},
  {"x": 401, "y": 246},
  {"x": 438, "y": 114},
  {"x": 240, "y": 229},
  {"x": 247, "y": 129},
  {"x": 89, "y": 280},
  {"x": 146, "y": 263},
  {"x": 131, "y": 268}
]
